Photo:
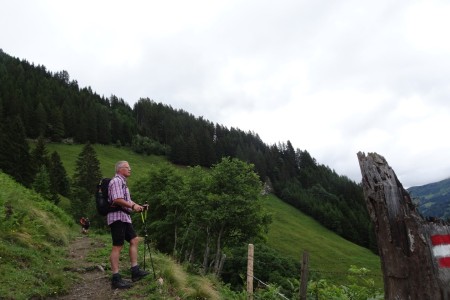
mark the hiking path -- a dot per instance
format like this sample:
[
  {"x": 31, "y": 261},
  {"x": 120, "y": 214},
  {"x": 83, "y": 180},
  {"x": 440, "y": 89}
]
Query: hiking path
[{"x": 94, "y": 282}]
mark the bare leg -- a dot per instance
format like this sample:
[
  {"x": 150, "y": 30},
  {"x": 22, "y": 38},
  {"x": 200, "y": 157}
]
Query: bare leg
[
  {"x": 114, "y": 258},
  {"x": 134, "y": 251}
]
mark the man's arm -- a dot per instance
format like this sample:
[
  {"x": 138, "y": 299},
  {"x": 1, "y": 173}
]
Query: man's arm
[{"x": 128, "y": 204}]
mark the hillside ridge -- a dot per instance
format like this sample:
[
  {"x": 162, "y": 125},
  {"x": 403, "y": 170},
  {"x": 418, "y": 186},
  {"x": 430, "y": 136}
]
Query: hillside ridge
[{"x": 433, "y": 199}]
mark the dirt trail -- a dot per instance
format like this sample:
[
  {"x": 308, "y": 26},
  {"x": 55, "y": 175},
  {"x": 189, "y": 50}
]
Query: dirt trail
[{"x": 95, "y": 283}]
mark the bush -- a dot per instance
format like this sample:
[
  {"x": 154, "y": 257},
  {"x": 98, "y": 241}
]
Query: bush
[{"x": 145, "y": 145}]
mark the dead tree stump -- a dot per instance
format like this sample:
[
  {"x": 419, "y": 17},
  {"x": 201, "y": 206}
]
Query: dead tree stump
[{"x": 415, "y": 253}]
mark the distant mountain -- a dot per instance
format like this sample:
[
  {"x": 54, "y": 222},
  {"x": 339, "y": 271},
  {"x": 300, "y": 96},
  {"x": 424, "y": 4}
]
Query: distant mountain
[{"x": 433, "y": 200}]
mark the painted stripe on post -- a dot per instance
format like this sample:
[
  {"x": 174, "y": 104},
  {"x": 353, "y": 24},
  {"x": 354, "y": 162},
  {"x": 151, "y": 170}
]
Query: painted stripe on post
[
  {"x": 440, "y": 239},
  {"x": 444, "y": 262},
  {"x": 441, "y": 249}
]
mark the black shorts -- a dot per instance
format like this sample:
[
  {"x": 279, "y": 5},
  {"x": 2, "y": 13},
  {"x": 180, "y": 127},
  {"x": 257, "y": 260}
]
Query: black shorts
[{"x": 121, "y": 232}]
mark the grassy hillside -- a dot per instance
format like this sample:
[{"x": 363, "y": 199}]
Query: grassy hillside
[
  {"x": 33, "y": 238},
  {"x": 330, "y": 256},
  {"x": 291, "y": 233},
  {"x": 108, "y": 156}
]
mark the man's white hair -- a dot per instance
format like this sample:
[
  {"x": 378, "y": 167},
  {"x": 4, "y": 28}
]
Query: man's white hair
[{"x": 120, "y": 164}]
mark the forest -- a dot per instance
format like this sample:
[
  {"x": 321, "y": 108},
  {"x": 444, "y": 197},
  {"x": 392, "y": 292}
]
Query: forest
[{"x": 38, "y": 104}]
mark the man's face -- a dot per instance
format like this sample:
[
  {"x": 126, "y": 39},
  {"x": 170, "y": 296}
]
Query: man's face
[{"x": 125, "y": 170}]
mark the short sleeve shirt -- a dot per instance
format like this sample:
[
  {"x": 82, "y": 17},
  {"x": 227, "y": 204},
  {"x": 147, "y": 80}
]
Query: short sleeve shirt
[{"x": 118, "y": 189}]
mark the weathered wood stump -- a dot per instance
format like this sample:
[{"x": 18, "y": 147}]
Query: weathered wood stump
[{"x": 414, "y": 252}]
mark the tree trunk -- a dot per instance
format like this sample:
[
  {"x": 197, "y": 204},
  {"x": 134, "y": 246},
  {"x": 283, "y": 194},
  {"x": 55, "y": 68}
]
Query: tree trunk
[
  {"x": 191, "y": 254},
  {"x": 222, "y": 262},
  {"x": 218, "y": 250},
  {"x": 206, "y": 253},
  {"x": 175, "y": 235},
  {"x": 184, "y": 241},
  {"x": 413, "y": 254},
  {"x": 175, "y": 240}
]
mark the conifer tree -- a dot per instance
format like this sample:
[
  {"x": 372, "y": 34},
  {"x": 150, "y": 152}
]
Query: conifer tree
[
  {"x": 58, "y": 175},
  {"x": 87, "y": 171},
  {"x": 15, "y": 158},
  {"x": 1, "y": 108},
  {"x": 87, "y": 175},
  {"x": 42, "y": 184},
  {"x": 39, "y": 155},
  {"x": 56, "y": 125},
  {"x": 40, "y": 120}
]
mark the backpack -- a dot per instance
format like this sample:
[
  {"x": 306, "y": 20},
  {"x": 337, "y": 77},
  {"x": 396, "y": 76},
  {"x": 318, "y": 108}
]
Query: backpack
[{"x": 102, "y": 201}]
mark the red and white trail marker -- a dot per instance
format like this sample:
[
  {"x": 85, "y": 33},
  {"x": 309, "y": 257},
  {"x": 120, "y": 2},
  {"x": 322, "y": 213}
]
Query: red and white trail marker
[{"x": 441, "y": 249}]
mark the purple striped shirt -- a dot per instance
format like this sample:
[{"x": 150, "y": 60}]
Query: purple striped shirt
[{"x": 118, "y": 189}]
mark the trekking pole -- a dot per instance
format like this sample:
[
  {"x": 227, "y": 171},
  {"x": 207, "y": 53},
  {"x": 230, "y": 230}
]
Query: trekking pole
[{"x": 146, "y": 241}]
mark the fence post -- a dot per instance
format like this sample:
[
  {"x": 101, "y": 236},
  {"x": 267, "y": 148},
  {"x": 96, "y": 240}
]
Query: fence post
[
  {"x": 250, "y": 272},
  {"x": 304, "y": 276}
]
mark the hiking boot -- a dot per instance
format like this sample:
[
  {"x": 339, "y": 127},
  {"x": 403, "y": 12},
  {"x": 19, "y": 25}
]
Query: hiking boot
[
  {"x": 118, "y": 283},
  {"x": 137, "y": 273}
]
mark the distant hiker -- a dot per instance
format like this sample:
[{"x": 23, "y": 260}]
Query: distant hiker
[
  {"x": 85, "y": 224},
  {"x": 121, "y": 227}
]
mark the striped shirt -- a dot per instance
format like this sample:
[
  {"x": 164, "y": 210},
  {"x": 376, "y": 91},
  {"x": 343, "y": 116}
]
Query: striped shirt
[{"x": 118, "y": 189}]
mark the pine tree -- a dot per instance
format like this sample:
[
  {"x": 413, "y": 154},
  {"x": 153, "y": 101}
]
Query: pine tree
[
  {"x": 40, "y": 120},
  {"x": 15, "y": 158},
  {"x": 39, "y": 155},
  {"x": 87, "y": 171},
  {"x": 58, "y": 175},
  {"x": 56, "y": 125},
  {"x": 1, "y": 108},
  {"x": 42, "y": 184}
]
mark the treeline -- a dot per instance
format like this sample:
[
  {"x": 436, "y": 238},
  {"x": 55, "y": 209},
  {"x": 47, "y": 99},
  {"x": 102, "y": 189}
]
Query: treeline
[{"x": 38, "y": 103}]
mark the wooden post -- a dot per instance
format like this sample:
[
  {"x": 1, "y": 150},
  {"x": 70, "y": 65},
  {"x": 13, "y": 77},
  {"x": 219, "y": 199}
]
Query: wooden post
[
  {"x": 250, "y": 272},
  {"x": 415, "y": 253},
  {"x": 304, "y": 276}
]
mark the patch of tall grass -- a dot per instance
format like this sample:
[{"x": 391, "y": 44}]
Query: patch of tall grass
[{"x": 34, "y": 234}]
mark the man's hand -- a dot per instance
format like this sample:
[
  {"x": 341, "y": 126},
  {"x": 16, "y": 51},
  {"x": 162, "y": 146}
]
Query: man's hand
[{"x": 137, "y": 207}]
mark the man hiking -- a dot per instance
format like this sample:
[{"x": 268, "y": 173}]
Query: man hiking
[
  {"x": 85, "y": 224},
  {"x": 121, "y": 228}
]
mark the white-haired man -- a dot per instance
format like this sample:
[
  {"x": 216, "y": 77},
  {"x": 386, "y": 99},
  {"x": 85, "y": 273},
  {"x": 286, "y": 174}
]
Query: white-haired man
[{"x": 121, "y": 228}]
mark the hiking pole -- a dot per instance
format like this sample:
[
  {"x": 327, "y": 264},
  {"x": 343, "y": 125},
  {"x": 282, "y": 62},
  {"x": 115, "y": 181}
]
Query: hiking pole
[{"x": 146, "y": 241}]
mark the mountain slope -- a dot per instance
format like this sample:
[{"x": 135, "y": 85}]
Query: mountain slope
[
  {"x": 433, "y": 199},
  {"x": 330, "y": 256},
  {"x": 66, "y": 112},
  {"x": 291, "y": 232}
]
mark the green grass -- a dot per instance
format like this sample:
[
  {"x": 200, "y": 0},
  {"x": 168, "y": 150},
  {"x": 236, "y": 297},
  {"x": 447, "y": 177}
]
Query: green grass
[
  {"x": 108, "y": 156},
  {"x": 33, "y": 238},
  {"x": 330, "y": 256}
]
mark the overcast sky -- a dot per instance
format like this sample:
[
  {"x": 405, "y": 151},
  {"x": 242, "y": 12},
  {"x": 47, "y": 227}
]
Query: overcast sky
[{"x": 333, "y": 77}]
